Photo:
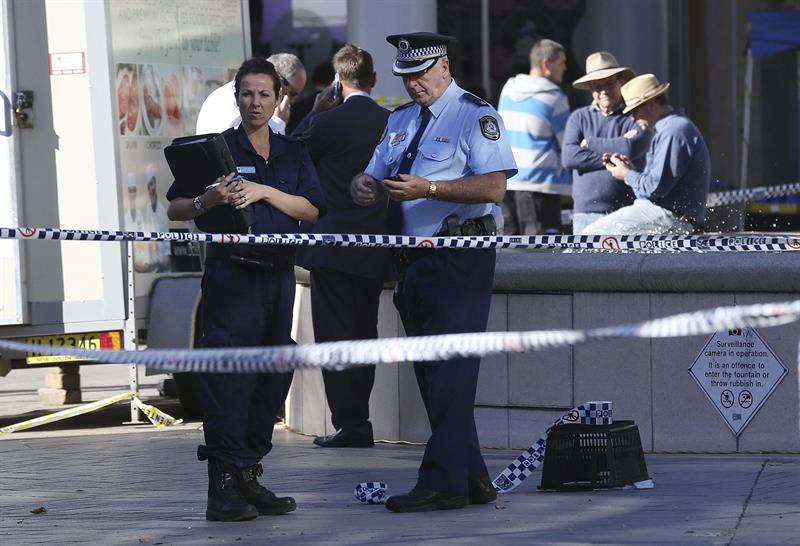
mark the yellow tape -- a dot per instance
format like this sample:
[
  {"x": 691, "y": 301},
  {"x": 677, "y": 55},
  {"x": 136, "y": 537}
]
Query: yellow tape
[{"x": 156, "y": 416}]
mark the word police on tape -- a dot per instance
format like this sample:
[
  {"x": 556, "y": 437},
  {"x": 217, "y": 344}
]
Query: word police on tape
[{"x": 674, "y": 243}]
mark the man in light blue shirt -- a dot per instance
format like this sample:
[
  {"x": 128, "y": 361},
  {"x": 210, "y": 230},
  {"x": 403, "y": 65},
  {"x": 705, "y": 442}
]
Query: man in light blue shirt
[
  {"x": 672, "y": 190},
  {"x": 535, "y": 111},
  {"x": 465, "y": 138},
  {"x": 443, "y": 162}
]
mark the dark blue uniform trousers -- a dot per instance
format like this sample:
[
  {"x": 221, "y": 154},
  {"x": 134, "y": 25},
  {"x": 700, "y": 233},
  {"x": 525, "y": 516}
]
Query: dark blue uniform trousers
[
  {"x": 345, "y": 306},
  {"x": 243, "y": 307},
  {"x": 448, "y": 292}
]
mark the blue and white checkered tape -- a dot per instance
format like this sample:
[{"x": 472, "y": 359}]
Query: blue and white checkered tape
[
  {"x": 588, "y": 413},
  {"x": 371, "y": 492},
  {"x": 647, "y": 243},
  {"x": 343, "y": 354}
]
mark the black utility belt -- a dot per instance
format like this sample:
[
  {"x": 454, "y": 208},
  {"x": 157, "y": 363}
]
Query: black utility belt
[
  {"x": 483, "y": 225},
  {"x": 249, "y": 257}
]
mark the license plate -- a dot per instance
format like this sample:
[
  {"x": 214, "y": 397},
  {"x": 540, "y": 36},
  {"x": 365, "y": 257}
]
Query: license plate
[{"x": 93, "y": 341}]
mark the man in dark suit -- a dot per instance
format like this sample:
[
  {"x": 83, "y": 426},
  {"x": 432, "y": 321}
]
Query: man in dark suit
[{"x": 346, "y": 283}]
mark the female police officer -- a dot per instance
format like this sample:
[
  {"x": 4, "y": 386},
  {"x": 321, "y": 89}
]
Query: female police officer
[{"x": 248, "y": 295}]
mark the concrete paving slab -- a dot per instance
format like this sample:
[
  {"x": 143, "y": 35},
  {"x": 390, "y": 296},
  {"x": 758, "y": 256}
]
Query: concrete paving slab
[
  {"x": 147, "y": 487},
  {"x": 105, "y": 483}
]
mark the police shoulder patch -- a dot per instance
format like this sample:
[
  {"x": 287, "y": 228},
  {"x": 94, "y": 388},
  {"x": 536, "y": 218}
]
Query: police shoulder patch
[{"x": 489, "y": 127}]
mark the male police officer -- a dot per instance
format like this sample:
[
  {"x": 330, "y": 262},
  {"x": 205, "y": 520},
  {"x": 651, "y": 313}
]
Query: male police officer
[{"x": 443, "y": 155}]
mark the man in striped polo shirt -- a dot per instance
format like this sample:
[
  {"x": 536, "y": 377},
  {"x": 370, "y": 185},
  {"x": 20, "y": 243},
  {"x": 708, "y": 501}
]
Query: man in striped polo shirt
[{"x": 535, "y": 111}]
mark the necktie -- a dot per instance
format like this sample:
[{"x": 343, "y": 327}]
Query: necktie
[{"x": 394, "y": 210}]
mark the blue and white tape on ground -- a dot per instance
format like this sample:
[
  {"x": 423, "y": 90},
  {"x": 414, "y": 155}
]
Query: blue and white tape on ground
[
  {"x": 673, "y": 243},
  {"x": 588, "y": 413},
  {"x": 341, "y": 354},
  {"x": 370, "y": 492}
]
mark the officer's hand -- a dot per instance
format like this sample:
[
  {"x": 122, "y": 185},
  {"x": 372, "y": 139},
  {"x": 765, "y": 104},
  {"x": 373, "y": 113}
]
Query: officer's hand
[
  {"x": 220, "y": 192},
  {"x": 364, "y": 189},
  {"x": 246, "y": 192},
  {"x": 405, "y": 187}
]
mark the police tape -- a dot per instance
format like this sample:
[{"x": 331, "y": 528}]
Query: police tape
[
  {"x": 155, "y": 415},
  {"x": 715, "y": 199},
  {"x": 751, "y": 194},
  {"x": 588, "y": 413},
  {"x": 343, "y": 354},
  {"x": 676, "y": 243}
]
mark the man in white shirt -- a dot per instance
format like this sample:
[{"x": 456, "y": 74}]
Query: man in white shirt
[
  {"x": 219, "y": 110},
  {"x": 154, "y": 218}
]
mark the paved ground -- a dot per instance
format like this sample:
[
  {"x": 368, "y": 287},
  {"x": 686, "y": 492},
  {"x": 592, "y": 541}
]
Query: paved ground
[{"x": 105, "y": 483}]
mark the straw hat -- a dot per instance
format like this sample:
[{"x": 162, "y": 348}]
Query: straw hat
[
  {"x": 640, "y": 90},
  {"x": 599, "y": 66}
]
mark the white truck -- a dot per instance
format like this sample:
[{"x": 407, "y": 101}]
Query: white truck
[{"x": 91, "y": 93}]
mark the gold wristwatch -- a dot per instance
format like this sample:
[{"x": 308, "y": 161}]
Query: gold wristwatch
[{"x": 431, "y": 191}]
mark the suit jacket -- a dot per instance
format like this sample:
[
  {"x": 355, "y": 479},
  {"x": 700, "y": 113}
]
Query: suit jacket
[{"x": 341, "y": 142}]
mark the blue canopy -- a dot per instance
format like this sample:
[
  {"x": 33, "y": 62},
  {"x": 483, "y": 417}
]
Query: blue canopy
[{"x": 774, "y": 31}]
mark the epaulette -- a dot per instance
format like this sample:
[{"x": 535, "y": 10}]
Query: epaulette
[
  {"x": 406, "y": 105},
  {"x": 475, "y": 98}
]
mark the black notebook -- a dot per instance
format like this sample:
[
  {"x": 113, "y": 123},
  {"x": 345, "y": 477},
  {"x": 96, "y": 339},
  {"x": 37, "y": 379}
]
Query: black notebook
[{"x": 196, "y": 162}]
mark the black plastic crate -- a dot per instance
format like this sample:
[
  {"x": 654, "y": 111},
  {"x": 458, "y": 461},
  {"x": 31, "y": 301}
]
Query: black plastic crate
[{"x": 580, "y": 457}]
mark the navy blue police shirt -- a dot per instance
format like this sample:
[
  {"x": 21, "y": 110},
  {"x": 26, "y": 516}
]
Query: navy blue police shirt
[{"x": 288, "y": 168}]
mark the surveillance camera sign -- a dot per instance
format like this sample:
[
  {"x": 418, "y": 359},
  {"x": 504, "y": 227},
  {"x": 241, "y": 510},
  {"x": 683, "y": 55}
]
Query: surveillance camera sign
[{"x": 738, "y": 371}]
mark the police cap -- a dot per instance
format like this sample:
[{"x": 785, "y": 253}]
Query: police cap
[{"x": 418, "y": 51}]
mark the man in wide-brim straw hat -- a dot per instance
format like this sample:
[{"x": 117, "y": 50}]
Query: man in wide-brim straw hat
[
  {"x": 672, "y": 189},
  {"x": 598, "y": 129}
]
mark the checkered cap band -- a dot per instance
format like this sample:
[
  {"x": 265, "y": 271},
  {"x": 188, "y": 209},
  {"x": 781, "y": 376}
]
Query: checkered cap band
[
  {"x": 421, "y": 53},
  {"x": 370, "y": 492}
]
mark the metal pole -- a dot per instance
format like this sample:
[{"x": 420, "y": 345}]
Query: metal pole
[
  {"x": 485, "y": 81},
  {"x": 129, "y": 335},
  {"x": 748, "y": 91}
]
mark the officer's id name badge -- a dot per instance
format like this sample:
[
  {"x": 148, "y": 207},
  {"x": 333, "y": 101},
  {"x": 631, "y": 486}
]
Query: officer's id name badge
[
  {"x": 246, "y": 169},
  {"x": 398, "y": 138}
]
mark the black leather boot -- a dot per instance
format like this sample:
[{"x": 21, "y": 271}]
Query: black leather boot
[
  {"x": 225, "y": 499},
  {"x": 481, "y": 490},
  {"x": 267, "y": 503}
]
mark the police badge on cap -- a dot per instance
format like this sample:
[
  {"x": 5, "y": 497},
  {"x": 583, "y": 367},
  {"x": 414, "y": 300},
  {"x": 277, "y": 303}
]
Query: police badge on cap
[{"x": 417, "y": 51}]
